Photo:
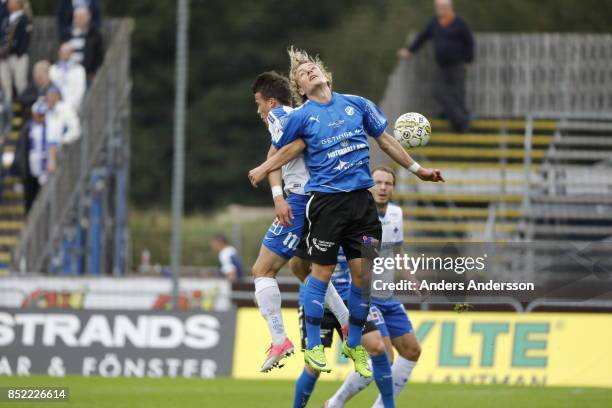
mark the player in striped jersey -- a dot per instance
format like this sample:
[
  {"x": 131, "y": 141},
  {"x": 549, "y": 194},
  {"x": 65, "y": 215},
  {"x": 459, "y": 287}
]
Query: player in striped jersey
[{"x": 386, "y": 312}]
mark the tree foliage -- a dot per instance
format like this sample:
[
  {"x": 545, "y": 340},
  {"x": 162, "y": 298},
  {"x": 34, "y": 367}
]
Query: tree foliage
[{"x": 232, "y": 41}]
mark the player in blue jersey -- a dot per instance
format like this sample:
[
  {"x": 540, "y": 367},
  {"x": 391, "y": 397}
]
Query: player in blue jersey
[
  {"x": 272, "y": 97},
  {"x": 372, "y": 341},
  {"x": 332, "y": 130},
  {"x": 386, "y": 312}
]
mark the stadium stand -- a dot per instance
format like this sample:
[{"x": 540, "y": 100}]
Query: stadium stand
[
  {"x": 78, "y": 222},
  {"x": 11, "y": 204},
  {"x": 535, "y": 164},
  {"x": 485, "y": 173},
  {"x": 571, "y": 196},
  {"x": 517, "y": 180}
]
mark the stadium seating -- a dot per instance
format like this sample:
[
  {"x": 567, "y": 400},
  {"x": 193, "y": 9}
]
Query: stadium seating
[
  {"x": 485, "y": 180},
  {"x": 11, "y": 204},
  {"x": 495, "y": 193},
  {"x": 90, "y": 182},
  {"x": 572, "y": 200}
]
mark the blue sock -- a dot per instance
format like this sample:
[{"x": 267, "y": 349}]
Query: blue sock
[
  {"x": 381, "y": 369},
  {"x": 314, "y": 301},
  {"x": 303, "y": 388},
  {"x": 358, "y": 313}
]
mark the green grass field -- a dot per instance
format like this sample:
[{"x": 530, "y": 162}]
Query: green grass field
[{"x": 94, "y": 392}]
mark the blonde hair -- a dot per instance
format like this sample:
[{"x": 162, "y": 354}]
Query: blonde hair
[{"x": 298, "y": 57}]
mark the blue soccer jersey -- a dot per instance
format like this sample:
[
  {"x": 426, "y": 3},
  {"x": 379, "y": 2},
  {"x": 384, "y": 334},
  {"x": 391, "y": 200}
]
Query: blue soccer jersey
[{"x": 336, "y": 135}]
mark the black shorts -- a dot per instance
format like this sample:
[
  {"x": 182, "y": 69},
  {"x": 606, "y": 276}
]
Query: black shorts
[
  {"x": 301, "y": 251},
  {"x": 347, "y": 220},
  {"x": 328, "y": 325}
]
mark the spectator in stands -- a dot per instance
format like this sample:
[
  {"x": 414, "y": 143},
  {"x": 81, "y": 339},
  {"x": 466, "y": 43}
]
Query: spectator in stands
[
  {"x": 38, "y": 87},
  {"x": 36, "y": 152},
  {"x": 453, "y": 47},
  {"x": 86, "y": 42},
  {"x": 231, "y": 264},
  {"x": 64, "y": 115},
  {"x": 4, "y": 13},
  {"x": 69, "y": 77},
  {"x": 65, "y": 15},
  {"x": 15, "y": 32}
]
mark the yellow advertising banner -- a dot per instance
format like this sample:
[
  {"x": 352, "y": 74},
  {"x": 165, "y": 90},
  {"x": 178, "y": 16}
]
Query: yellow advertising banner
[{"x": 561, "y": 349}]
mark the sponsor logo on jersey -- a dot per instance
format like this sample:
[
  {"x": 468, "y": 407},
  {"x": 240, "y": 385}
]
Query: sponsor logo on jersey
[
  {"x": 341, "y": 165},
  {"x": 349, "y": 110},
  {"x": 345, "y": 135},
  {"x": 345, "y": 150},
  {"x": 336, "y": 124}
]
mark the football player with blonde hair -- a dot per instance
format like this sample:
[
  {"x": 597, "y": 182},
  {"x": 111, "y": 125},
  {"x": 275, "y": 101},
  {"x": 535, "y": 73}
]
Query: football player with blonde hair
[{"x": 333, "y": 129}]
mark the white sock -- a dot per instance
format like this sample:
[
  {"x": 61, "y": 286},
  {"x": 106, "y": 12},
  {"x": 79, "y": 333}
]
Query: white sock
[
  {"x": 349, "y": 388},
  {"x": 334, "y": 302},
  {"x": 401, "y": 370},
  {"x": 268, "y": 298}
]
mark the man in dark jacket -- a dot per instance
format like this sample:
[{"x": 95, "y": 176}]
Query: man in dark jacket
[
  {"x": 86, "y": 42},
  {"x": 15, "y": 31},
  {"x": 65, "y": 14},
  {"x": 453, "y": 48}
]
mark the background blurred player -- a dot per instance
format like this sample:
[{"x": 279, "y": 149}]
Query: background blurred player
[
  {"x": 387, "y": 312},
  {"x": 272, "y": 96},
  {"x": 334, "y": 130},
  {"x": 230, "y": 263},
  {"x": 372, "y": 342}
]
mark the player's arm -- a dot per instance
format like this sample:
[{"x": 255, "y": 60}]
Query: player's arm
[
  {"x": 284, "y": 155},
  {"x": 394, "y": 149},
  {"x": 281, "y": 208},
  {"x": 286, "y": 138}
]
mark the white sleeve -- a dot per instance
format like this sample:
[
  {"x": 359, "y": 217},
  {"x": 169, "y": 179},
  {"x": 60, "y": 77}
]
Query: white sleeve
[
  {"x": 225, "y": 258},
  {"x": 72, "y": 124},
  {"x": 54, "y": 131},
  {"x": 53, "y": 75},
  {"x": 275, "y": 127},
  {"x": 79, "y": 84}
]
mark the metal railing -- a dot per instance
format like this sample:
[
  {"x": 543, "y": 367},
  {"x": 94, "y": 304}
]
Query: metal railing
[
  {"x": 44, "y": 40},
  {"x": 104, "y": 142},
  {"x": 514, "y": 74}
]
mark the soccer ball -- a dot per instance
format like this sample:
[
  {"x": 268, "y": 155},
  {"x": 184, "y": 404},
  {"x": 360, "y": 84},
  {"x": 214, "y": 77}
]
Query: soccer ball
[{"x": 412, "y": 130}]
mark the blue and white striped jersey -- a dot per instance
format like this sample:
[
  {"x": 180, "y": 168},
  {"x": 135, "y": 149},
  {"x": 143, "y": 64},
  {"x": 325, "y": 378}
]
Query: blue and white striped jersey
[{"x": 295, "y": 174}]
